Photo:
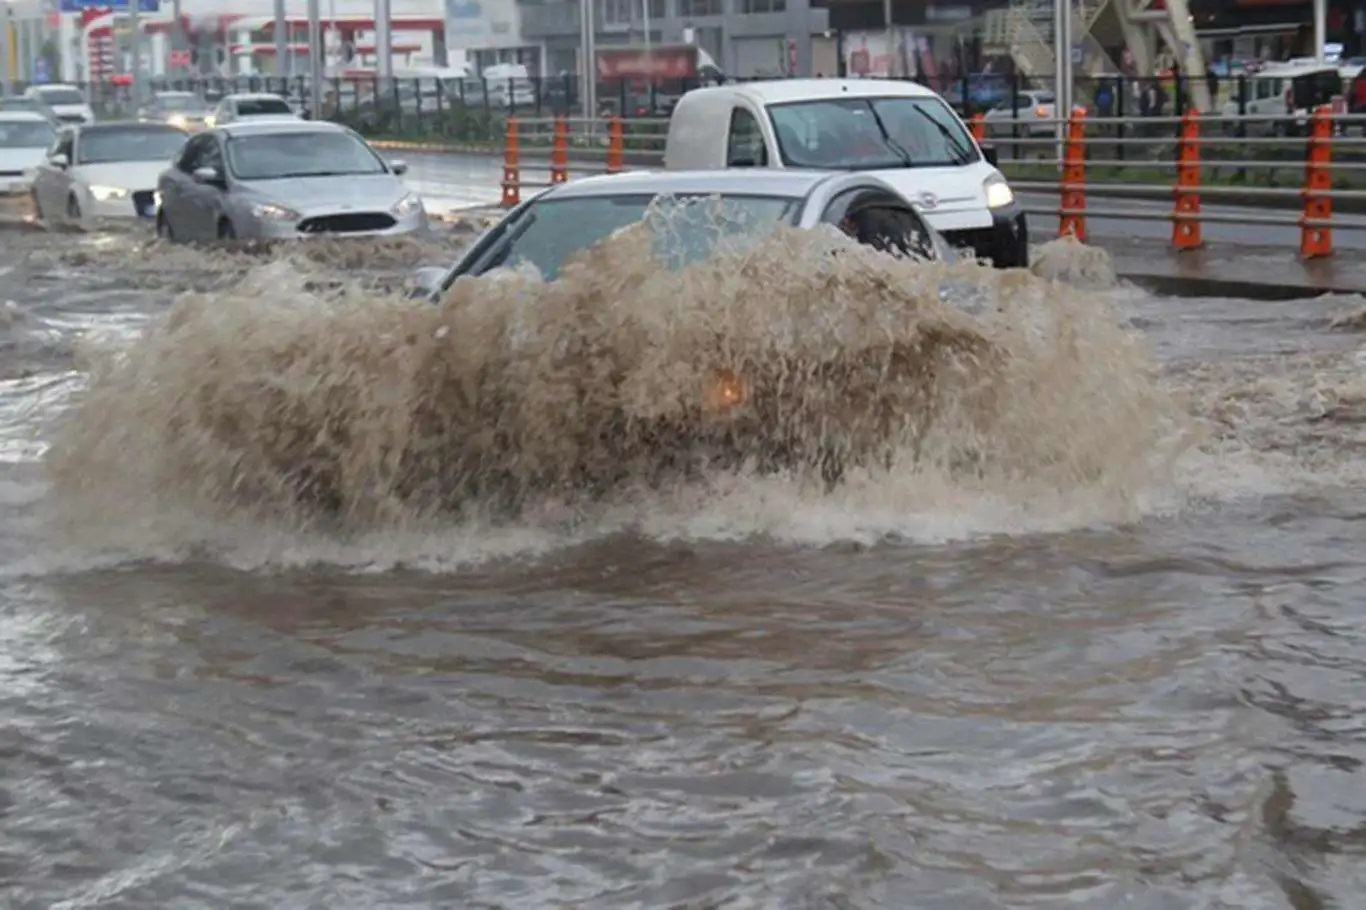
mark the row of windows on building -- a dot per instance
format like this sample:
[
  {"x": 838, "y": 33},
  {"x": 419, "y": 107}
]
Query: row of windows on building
[{"x": 628, "y": 12}]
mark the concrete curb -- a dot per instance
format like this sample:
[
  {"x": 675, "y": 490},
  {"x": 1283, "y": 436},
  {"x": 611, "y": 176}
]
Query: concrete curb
[{"x": 1183, "y": 286}]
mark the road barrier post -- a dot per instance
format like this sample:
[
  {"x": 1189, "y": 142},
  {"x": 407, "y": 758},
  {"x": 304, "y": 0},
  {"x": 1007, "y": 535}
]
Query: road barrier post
[
  {"x": 614, "y": 147},
  {"x": 1186, "y": 233},
  {"x": 1072, "y": 211},
  {"x": 512, "y": 178},
  {"x": 979, "y": 128},
  {"x": 559, "y": 153},
  {"x": 1316, "y": 237}
]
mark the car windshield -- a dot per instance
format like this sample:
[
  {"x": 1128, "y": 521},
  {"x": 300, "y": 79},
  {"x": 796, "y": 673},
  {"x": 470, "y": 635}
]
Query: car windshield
[
  {"x": 250, "y": 106},
  {"x": 870, "y": 134},
  {"x": 21, "y": 104},
  {"x": 134, "y": 143},
  {"x": 26, "y": 134},
  {"x": 686, "y": 228},
  {"x": 305, "y": 153},
  {"x": 178, "y": 103},
  {"x": 62, "y": 96}
]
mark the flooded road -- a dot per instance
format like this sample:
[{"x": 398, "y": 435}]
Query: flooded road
[{"x": 749, "y": 694}]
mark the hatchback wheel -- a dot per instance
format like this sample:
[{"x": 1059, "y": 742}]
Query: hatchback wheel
[
  {"x": 73, "y": 210},
  {"x": 164, "y": 228},
  {"x": 225, "y": 231}
]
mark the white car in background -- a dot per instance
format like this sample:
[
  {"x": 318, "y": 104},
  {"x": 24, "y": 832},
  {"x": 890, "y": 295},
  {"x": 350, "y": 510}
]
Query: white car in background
[
  {"x": 67, "y": 102},
  {"x": 251, "y": 106},
  {"x": 25, "y": 138},
  {"x": 104, "y": 170},
  {"x": 1032, "y": 115}
]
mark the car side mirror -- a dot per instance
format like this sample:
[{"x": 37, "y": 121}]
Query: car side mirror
[
  {"x": 990, "y": 154},
  {"x": 207, "y": 175},
  {"x": 398, "y": 166},
  {"x": 59, "y": 161},
  {"x": 426, "y": 283}
]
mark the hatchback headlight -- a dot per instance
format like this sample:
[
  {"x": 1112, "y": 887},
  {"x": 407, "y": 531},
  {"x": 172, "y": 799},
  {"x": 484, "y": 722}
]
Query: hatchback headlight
[
  {"x": 999, "y": 193},
  {"x": 107, "y": 193},
  {"x": 269, "y": 211},
  {"x": 407, "y": 205}
]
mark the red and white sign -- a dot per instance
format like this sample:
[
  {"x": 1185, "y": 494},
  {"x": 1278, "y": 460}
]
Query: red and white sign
[
  {"x": 676, "y": 62},
  {"x": 180, "y": 60}
]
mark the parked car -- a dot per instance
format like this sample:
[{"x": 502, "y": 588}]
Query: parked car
[
  {"x": 1283, "y": 96},
  {"x": 281, "y": 179},
  {"x": 899, "y": 131},
  {"x": 1029, "y": 115},
  {"x": 104, "y": 170}
]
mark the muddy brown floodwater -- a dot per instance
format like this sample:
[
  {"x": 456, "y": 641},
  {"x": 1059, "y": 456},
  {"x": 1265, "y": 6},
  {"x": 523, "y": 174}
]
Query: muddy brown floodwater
[{"x": 1099, "y": 643}]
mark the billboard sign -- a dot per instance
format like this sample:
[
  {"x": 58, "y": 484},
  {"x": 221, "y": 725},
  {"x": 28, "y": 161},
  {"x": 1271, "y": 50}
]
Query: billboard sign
[{"x": 118, "y": 6}]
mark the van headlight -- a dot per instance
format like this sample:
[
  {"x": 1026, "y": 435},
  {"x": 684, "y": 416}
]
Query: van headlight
[
  {"x": 108, "y": 193},
  {"x": 999, "y": 193},
  {"x": 407, "y": 205}
]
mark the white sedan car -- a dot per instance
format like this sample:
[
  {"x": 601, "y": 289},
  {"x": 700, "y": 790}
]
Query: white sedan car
[
  {"x": 25, "y": 138},
  {"x": 253, "y": 106},
  {"x": 104, "y": 170}
]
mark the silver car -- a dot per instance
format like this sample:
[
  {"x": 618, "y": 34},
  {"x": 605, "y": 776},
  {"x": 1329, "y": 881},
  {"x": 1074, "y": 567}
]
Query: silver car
[
  {"x": 547, "y": 228},
  {"x": 283, "y": 180}
]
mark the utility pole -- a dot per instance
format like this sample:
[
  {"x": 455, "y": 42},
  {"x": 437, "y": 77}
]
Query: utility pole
[
  {"x": 315, "y": 62},
  {"x": 384, "y": 44},
  {"x": 1062, "y": 87},
  {"x": 282, "y": 61},
  {"x": 4, "y": 48},
  {"x": 1320, "y": 29},
  {"x": 135, "y": 26},
  {"x": 891, "y": 42},
  {"x": 589, "y": 68}
]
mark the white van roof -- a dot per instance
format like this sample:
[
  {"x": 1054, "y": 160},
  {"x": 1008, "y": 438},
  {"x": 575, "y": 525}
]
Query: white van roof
[{"x": 779, "y": 91}]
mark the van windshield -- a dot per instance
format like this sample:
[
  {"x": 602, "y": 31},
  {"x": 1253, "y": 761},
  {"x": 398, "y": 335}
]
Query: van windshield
[{"x": 870, "y": 134}]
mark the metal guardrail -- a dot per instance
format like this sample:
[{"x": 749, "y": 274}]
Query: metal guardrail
[{"x": 1316, "y": 148}]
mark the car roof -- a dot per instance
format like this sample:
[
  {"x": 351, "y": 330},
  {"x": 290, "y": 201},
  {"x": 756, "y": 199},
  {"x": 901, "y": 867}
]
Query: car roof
[
  {"x": 22, "y": 116},
  {"x": 252, "y": 127},
  {"x": 779, "y": 91},
  {"x": 739, "y": 181},
  {"x": 1283, "y": 70},
  {"x": 177, "y": 94},
  {"x": 254, "y": 96}
]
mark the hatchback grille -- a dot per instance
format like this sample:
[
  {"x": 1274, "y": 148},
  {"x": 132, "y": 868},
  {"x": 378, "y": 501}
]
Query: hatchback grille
[
  {"x": 348, "y": 223},
  {"x": 71, "y": 118},
  {"x": 11, "y": 173}
]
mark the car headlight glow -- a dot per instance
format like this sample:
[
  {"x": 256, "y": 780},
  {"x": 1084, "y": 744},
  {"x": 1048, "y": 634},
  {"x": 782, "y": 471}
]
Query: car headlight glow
[
  {"x": 176, "y": 120},
  {"x": 108, "y": 193},
  {"x": 407, "y": 205},
  {"x": 999, "y": 194},
  {"x": 272, "y": 212},
  {"x": 210, "y": 120}
]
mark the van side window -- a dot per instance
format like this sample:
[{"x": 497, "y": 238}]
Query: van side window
[{"x": 745, "y": 147}]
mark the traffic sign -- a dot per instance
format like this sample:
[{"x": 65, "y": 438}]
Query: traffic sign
[{"x": 76, "y": 6}]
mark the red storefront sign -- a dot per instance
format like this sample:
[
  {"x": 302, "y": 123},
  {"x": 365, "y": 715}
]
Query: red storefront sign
[{"x": 660, "y": 63}]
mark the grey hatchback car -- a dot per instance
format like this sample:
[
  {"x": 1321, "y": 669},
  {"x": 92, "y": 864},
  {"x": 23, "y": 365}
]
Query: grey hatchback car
[{"x": 283, "y": 180}]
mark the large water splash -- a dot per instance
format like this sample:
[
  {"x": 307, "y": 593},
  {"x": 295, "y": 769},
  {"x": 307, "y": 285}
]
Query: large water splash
[{"x": 804, "y": 366}]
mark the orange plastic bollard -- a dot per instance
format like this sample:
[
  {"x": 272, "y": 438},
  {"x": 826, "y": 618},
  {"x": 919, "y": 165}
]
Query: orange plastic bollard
[
  {"x": 1316, "y": 237},
  {"x": 1072, "y": 211},
  {"x": 1186, "y": 230},
  {"x": 512, "y": 175},
  {"x": 559, "y": 152},
  {"x": 614, "y": 149},
  {"x": 979, "y": 128}
]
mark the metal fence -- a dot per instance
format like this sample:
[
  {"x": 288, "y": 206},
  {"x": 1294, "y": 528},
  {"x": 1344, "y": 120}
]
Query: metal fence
[{"x": 1096, "y": 167}]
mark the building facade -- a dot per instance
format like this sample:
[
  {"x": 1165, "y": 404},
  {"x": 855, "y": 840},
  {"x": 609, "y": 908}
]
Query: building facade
[{"x": 745, "y": 38}]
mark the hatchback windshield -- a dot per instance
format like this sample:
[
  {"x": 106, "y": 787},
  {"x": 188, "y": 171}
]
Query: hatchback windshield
[
  {"x": 134, "y": 143},
  {"x": 21, "y": 104},
  {"x": 306, "y": 153},
  {"x": 550, "y": 232},
  {"x": 249, "y": 107},
  {"x": 61, "y": 96},
  {"x": 26, "y": 134},
  {"x": 870, "y": 134}
]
